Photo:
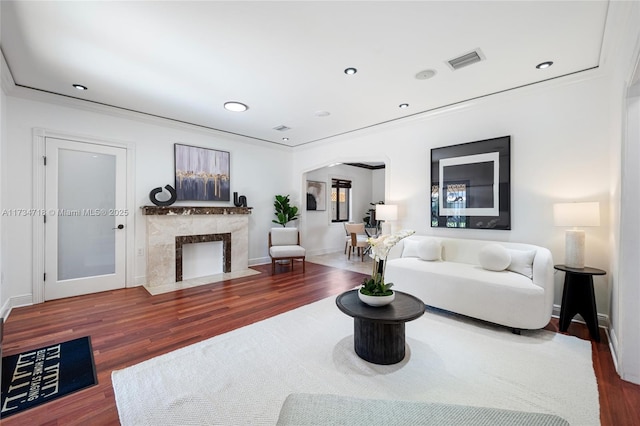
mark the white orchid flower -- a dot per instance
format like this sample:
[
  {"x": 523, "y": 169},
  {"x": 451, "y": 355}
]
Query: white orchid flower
[
  {"x": 379, "y": 251},
  {"x": 380, "y": 248}
]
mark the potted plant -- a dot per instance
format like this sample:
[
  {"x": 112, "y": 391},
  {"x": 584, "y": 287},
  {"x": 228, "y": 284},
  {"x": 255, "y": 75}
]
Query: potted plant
[
  {"x": 284, "y": 211},
  {"x": 374, "y": 291},
  {"x": 370, "y": 216}
]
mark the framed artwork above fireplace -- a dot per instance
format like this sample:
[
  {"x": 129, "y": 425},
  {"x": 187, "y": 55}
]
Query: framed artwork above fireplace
[{"x": 202, "y": 174}]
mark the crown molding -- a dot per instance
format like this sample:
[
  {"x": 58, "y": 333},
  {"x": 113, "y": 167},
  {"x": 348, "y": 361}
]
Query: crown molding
[
  {"x": 12, "y": 89},
  {"x": 8, "y": 84}
]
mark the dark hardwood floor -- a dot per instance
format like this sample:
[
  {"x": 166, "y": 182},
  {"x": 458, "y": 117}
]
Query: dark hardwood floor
[{"x": 129, "y": 326}]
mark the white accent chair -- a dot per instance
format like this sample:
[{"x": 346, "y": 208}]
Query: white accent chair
[{"x": 284, "y": 244}]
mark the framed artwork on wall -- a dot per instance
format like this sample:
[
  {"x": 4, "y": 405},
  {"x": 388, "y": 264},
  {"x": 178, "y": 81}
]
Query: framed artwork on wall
[
  {"x": 202, "y": 174},
  {"x": 470, "y": 185},
  {"x": 316, "y": 195}
]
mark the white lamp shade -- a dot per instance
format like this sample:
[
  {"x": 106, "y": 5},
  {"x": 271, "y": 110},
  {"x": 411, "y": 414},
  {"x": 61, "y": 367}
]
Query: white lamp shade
[
  {"x": 577, "y": 214},
  {"x": 386, "y": 212}
]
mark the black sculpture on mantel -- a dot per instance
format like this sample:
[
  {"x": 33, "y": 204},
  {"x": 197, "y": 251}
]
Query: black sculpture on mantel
[
  {"x": 239, "y": 201},
  {"x": 156, "y": 191}
]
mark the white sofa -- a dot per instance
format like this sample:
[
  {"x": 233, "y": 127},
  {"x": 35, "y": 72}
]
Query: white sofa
[{"x": 446, "y": 273}]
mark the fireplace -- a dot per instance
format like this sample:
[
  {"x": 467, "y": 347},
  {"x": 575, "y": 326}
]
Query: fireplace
[
  {"x": 169, "y": 228},
  {"x": 207, "y": 238}
]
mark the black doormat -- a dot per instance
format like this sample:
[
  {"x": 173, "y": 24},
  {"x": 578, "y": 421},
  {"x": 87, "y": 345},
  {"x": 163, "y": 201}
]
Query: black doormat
[{"x": 41, "y": 375}]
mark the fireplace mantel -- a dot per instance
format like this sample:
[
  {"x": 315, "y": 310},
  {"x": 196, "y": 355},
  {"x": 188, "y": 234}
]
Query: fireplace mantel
[
  {"x": 170, "y": 227},
  {"x": 193, "y": 210}
]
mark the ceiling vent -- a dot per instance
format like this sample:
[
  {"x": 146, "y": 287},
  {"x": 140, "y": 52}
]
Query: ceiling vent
[
  {"x": 466, "y": 59},
  {"x": 282, "y": 128}
]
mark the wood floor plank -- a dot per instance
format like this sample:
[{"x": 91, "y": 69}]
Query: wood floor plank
[{"x": 129, "y": 326}]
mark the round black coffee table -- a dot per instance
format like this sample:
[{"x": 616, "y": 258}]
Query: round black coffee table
[{"x": 379, "y": 331}]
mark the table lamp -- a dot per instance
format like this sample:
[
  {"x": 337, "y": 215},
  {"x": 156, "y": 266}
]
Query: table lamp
[
  {"x": 387, "y": 213},
  {"x": 576, "y": 214}
]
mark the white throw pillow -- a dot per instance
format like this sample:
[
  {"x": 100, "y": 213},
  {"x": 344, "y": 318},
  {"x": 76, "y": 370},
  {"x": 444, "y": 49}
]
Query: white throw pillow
[
  {"x": 430, "y": 249},
  {"x": 410, "y": 248},
  {"x": 494, "y": 257},
  {"x": 522, "y": 262}
]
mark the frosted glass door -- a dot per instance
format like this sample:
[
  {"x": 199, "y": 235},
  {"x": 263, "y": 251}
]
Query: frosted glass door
[
  {"x": 86, "y": 194},
  {"x": 85, "y": 218}
]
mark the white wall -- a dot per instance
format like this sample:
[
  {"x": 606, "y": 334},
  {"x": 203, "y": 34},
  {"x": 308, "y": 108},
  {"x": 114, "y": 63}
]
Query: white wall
[
  {"x": 257, "y": 172},
  {"x": 3, "y": 140},
  {"x": 625, "y": 303},
  {"x": 625, "y": 326},
  {"x": 560, "y": 134},
  {"x": 377, "y": 185},
  {"x": 622, "y": 62},
  {"x": 4, "y": 80}
]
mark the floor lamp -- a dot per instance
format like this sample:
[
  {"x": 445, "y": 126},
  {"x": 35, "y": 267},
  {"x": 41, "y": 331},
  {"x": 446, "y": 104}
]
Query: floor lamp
[
  {"x": 387, "y": 213},
  {"x": 576, "y": 214}
]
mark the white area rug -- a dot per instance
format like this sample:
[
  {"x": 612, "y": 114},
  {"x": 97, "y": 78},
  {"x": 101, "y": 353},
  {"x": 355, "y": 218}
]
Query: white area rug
[{"x": 244, "y": 376}]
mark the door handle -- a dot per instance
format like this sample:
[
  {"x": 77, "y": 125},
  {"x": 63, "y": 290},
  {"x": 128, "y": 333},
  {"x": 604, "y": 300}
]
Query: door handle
[{"x": 121, "y": 226}]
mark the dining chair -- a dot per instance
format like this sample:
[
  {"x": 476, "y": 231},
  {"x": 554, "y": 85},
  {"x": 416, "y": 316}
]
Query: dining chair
[{"x": 357, "y": 239}]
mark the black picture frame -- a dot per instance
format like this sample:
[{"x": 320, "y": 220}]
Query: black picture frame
[
  {"x": 476, "y": 179},
  {"x": 202, "y": 174}
]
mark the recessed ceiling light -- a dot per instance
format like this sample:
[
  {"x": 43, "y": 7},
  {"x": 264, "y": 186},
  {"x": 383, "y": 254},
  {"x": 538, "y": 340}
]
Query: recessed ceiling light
[
  {"x": 425, "y": 74},
  {"x": 285, "y": 139},
  {"x": 235, "y": 106},
  {"x": 403, "y": 106},
  {"x": 80, "y": 87},
  {"x": 350, "y": 71},
  {"x": 544, "y": 65}
]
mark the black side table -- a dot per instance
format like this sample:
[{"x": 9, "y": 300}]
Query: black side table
[{"x": 578, "y": 297}]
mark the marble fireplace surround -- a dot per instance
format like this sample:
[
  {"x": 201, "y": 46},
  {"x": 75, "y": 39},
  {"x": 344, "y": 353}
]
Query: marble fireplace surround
[
  {"x": 169, "y": 228},
  {"x": 207, "y": 238}
]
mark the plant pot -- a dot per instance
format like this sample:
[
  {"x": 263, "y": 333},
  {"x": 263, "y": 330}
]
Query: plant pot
[{"x": 376, "y": 300}]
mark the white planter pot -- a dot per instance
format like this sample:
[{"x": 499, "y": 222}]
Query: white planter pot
[{"x": 376, "y": 300}]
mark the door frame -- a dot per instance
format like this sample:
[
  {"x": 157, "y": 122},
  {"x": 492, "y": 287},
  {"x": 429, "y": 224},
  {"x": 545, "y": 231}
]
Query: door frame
[{"x": 38, "y": 203}]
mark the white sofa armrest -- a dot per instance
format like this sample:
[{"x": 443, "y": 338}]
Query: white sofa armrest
[{"x": 543, "y": 274}]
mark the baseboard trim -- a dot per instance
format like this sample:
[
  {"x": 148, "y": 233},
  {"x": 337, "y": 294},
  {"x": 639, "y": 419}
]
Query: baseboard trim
[
  {"x": 259, "y": 261},
  {"x": 15, "y": 302},
  {"x": 5, "y": 310},
  {"x": 324, "y": 251},
  {"x": 603, "y": 320},
  {"x": 613, "y": 347}
]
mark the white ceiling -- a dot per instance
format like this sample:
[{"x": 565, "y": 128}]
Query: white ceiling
[{"x": 285, "y": 60}]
